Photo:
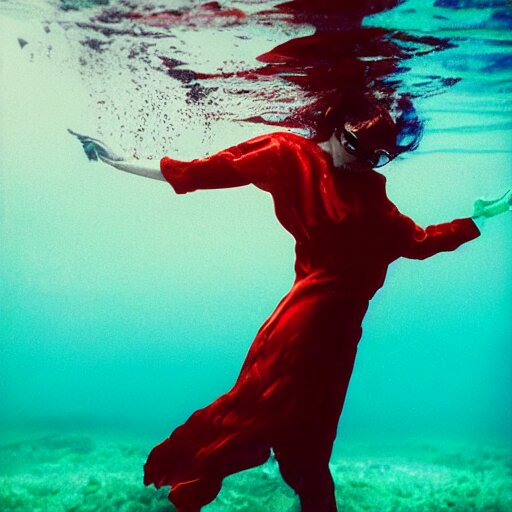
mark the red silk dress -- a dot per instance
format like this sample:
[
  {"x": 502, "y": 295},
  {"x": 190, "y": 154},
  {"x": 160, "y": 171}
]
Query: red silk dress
[{"x": 291, "y": 388}]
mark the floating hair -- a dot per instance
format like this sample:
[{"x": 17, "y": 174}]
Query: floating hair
[{"x": 398, "y": 128}]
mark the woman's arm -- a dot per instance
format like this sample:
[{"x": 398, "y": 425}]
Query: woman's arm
[
  {"x": 96, "y": 149},
  {"x": 419, "y": 243},
  {"x": 260, "y": 161},
  {"x": 146, "y": 168}
]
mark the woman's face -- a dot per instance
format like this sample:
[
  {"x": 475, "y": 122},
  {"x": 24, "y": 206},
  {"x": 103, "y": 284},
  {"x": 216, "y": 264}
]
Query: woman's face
[
  {"x": 349, "y": 160},
  {"x": 360, "y": 149}
]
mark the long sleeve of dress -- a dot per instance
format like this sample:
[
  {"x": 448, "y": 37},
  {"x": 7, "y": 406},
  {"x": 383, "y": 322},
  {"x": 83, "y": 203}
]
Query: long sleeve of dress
[
  {"x": 420, "y": 243},
  {"x": 257, "y": 161}
]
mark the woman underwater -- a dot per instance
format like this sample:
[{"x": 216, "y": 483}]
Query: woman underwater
[{"x": 290, "y": 392}]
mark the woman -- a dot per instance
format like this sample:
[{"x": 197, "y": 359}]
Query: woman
[{"x": 290, "y": 391}]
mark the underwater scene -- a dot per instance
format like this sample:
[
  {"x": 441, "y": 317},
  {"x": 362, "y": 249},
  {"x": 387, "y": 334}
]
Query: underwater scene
[{"x": 125, "y": 308}]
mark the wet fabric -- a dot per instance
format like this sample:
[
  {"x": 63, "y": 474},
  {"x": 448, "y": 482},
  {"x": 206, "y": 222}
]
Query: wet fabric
[{"x": 290, "y": 391}]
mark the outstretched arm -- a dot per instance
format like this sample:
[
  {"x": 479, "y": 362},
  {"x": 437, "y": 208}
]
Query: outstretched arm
[
  {"x": 98, "y": 150},
  {"x": 419, "y": 243},
  {"x": 260, "y": 161},
  {"x": 145, "y": 168}
]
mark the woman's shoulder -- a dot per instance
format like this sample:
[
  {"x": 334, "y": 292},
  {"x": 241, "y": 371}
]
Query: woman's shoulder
[{"x": 284, "y": 137}]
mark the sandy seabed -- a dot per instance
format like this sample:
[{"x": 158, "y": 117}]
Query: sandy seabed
[{"x": 89, "y": 472}]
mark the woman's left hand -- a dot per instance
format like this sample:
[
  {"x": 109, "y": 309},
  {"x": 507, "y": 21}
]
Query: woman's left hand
[{"x": 490, "y": 208}]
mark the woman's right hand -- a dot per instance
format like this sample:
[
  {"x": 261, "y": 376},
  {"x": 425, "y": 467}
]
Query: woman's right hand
[{"x": 95, "y": 148}]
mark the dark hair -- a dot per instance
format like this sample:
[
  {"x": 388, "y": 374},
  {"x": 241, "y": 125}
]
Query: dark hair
[
  {"x": 409, "y": 126},
  {"x": 374, "y": 124}
]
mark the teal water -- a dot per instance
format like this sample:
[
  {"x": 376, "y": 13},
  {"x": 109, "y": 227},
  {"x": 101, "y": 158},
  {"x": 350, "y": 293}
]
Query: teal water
[{"x": 124, "y": 308}]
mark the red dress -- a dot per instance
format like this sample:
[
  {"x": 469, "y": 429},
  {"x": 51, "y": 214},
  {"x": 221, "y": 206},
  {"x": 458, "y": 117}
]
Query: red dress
[{"x": 292, "y": 386}]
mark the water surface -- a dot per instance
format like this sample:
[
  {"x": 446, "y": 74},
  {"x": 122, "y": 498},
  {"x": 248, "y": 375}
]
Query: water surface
[{"x": 125, "y": 307}]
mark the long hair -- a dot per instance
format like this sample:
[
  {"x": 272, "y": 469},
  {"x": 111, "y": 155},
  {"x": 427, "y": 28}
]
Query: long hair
[
  {"x": 409, "y": 126},
  {"x": 397, "y": 128}
]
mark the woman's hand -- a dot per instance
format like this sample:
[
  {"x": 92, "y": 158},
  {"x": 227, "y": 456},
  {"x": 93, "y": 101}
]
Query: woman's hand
[
  {"x": 95, "y": 149},
  {"x": 490, "y": 208}
]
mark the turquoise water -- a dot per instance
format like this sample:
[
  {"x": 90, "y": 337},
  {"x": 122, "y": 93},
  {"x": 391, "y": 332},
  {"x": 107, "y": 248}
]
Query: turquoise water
[{"x": 124, "y": 308}]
